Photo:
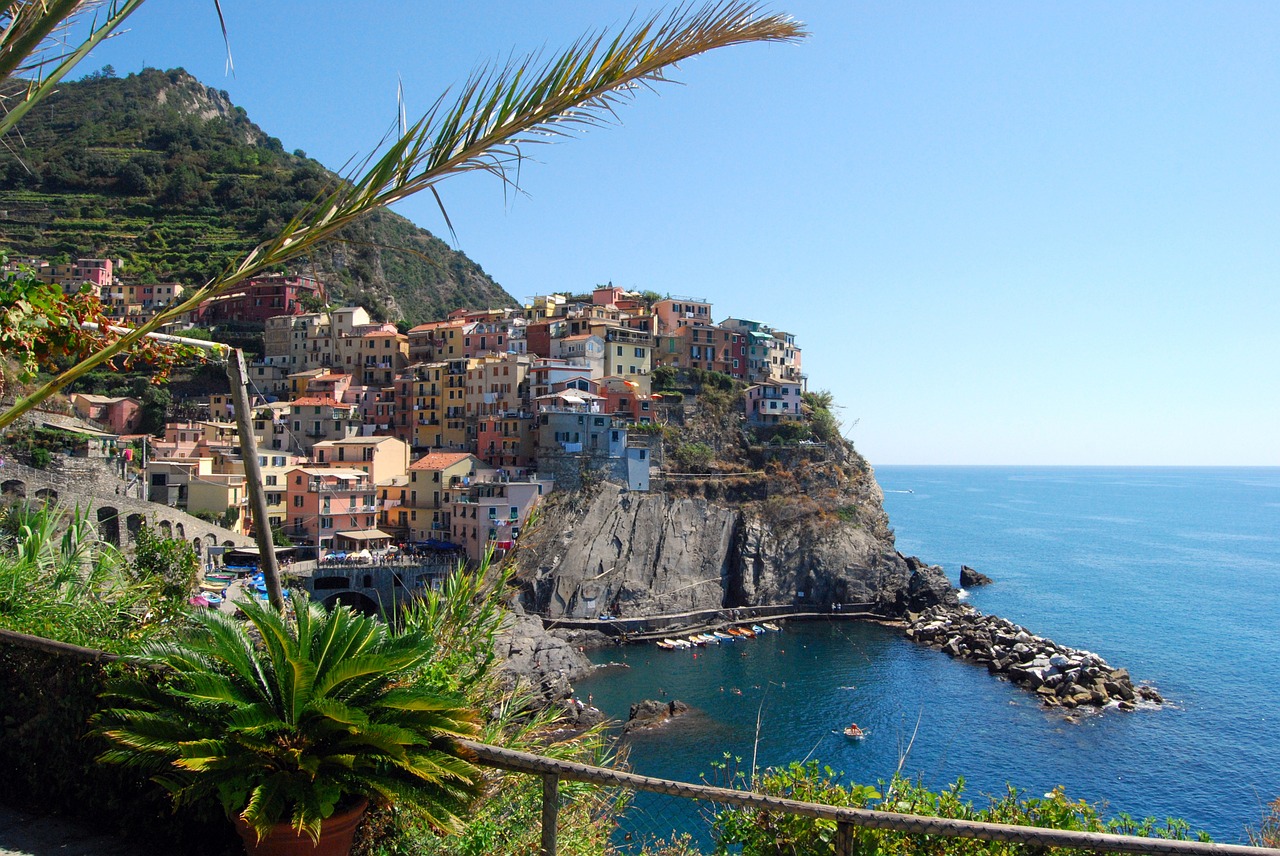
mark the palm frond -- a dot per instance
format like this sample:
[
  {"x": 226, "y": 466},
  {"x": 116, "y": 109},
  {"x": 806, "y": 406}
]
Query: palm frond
[{"x": 28, "y": 45}]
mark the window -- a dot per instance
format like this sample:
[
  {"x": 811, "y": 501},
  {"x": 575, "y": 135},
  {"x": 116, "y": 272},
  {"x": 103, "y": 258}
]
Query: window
[
  {"x": 297, "y": 502},
  {"x": 270, "y": 481},
  {"x": 619, "y": 350},
  {"x": 639, "y": 353}
]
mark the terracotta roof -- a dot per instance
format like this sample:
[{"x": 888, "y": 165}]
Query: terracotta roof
[{"x": 438, "y": 460}]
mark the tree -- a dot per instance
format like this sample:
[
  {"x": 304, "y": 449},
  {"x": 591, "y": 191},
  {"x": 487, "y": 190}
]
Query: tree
[
  {"x": 169, "y": 563},
  {"x": 495, "y": 114}
]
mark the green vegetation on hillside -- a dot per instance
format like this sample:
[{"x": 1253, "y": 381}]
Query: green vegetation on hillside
[{"x": 166, "y": 174}]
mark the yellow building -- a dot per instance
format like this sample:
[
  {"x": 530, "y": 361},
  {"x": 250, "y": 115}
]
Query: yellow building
[
  {"x": 382, "y": 458},
  {"x": 429, "y": 479}
]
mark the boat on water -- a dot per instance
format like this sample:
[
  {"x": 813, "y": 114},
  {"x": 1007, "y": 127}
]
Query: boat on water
[
  {"x": 747, "y": 632},
  {"x": 666, "y": 644},
  {"x": 696, "y": 640},
  {"x": 709, "y": 637},
  {"x": 853, "y": 732},
  {"x": 723, "y": 637},
  {"x": 757, "y": 629},
  {"x": 771, "y": 627}
]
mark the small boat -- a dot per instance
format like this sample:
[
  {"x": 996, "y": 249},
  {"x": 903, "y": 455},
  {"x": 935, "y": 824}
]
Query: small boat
[
  {"x": 771, "y": 627},
  {"x": 853, "y": 732},
  {"x": 757, "y": 629},
  {"x": 212, "y": 587},
  {"x": 665, "y": 645},
  {"x": 723, "y": 637},
  {"x": 696, "y": 640},
  {"x": 710, "y": 637},
  {"x": 747, "y": 632},
  {"x": 682, "y": 643}
]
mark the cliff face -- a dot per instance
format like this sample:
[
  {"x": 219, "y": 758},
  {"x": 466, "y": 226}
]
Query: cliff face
[{"x": 808, "y": 532}]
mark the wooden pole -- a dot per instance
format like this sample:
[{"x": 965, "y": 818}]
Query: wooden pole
[
  {"x": 550, "y": 810},
  {"x": 844, "y": 839},
  {"x": 236, "y": 373}
]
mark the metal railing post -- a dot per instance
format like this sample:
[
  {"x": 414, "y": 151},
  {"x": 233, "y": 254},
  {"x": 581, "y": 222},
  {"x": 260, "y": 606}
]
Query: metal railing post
[{"x": 550, "y": 809}]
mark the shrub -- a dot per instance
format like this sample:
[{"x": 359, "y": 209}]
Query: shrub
[{"x": 693, "y": 457}]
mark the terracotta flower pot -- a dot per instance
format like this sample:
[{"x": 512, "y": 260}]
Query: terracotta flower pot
[{"x": 336, "y": 835}]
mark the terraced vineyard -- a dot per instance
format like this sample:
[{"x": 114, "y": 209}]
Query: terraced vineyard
[{"x": 170, "y": 177}]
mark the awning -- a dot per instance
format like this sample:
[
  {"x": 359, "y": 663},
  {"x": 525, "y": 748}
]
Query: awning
[
  {"x": 364, "y": 535},
  {"x": 255, "y": 552}
]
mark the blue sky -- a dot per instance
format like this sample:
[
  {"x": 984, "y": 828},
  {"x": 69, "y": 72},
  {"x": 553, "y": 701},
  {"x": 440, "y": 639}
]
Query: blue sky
[{"x": 1003, "y": 233}]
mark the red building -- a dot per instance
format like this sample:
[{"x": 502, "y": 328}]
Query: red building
[{"x": 258, "y": 299}]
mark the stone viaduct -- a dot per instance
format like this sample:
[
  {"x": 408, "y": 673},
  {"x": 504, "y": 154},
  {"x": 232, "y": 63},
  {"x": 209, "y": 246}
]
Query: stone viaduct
[{"x": 95, "y": 488}]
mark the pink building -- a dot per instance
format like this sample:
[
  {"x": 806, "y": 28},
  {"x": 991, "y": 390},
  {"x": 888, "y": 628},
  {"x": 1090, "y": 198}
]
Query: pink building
[
  {"x": 676, "y": 312},
  {"x": 323, "y": 502},
  {"x": 488, "y": 514},
  {"x": 119, "y": 415}
]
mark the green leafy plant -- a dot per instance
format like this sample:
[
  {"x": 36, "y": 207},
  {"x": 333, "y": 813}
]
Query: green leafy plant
[
  {"x": 693, "y": 457},
  {"x": 169, "y": 563},
  {"x": 287, "y": 719},
  {"x": 57, "y": 580}
]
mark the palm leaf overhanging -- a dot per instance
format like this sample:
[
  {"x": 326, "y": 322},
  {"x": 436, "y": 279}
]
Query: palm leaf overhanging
[
  {"x": 283, "y": 719},
  {"x": 485, "y": 127},
  {"x": 34, "y": 45}
]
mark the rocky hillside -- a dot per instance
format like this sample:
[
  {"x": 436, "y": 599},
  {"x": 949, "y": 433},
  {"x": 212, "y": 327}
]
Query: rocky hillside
[
  {"x": 167, "y": 174},
  {"x": 763, "y": 524}
]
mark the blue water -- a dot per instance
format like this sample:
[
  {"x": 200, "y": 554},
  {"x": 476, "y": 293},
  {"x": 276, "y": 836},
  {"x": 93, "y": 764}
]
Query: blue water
[{"x": 1171, "y": 573}]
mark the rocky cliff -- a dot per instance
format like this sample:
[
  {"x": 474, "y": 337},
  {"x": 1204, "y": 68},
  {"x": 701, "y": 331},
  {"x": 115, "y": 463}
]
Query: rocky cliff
[{"x": 808, "y": 529}]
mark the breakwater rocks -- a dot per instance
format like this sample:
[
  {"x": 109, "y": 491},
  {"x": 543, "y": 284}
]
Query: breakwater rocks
[{"x": 1060, "y": 676}]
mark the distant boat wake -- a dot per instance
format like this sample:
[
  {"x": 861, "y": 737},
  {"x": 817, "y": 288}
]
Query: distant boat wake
[{"x": 900, "y": 491}]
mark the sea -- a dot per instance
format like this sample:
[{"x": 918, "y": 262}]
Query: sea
[{"x": 1172, "y": 573}]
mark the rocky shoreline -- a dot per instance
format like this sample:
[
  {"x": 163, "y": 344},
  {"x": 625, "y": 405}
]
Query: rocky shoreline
[{"x": 1060, "y": 676}]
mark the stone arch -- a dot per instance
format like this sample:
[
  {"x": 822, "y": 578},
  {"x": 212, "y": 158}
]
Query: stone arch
[
  {"x": 109, "y": 525},
  {"x": 228, "y": 543},
  {"x": 133, "y": 523},
  {"x": 16, "y": 488},
  {"x": 47, "y": 495},
  {"x": 166, "y": 528},
  {"x": 359, "y": 602},
  {"x": 195, "y": 545},
  {"x": 180, "y": 532}
]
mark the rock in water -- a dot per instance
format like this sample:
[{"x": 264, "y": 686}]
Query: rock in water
[
  {"x": 927, "y": 586},
  {"x": 651, "y": 713},
  {"x": 969, "y": 578}
]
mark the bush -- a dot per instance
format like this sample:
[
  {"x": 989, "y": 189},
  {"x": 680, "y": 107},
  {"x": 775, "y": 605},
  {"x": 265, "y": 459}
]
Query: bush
[
  {"x": 168, "y": 563},
  {"x": 757, "y": 833},
  {"x": 693, "y": 458}
]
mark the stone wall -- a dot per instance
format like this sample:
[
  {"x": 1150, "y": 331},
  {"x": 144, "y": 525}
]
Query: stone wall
[{"x": 94, "y": 487}]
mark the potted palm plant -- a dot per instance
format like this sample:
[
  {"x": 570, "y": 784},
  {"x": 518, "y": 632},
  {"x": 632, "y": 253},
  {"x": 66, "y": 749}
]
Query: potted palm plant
[{"x": 293, "y": 723}]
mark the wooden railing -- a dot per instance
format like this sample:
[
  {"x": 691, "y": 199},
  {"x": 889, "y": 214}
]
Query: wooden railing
[{"x": 847, "y": 819}]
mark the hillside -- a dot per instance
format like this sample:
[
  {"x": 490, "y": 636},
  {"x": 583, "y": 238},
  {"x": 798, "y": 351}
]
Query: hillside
[{"x": 167, "y": 174}]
